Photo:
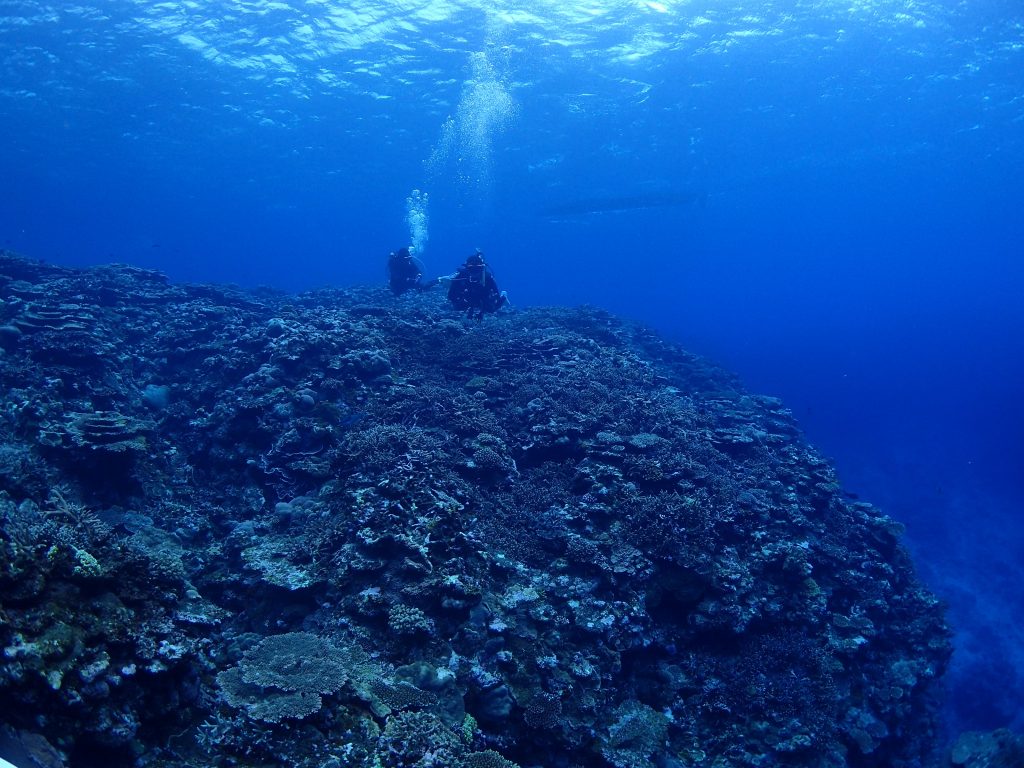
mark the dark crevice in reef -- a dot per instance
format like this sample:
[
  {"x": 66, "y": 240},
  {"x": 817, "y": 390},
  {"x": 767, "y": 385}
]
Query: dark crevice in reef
[{"x": 341, "y": 528}]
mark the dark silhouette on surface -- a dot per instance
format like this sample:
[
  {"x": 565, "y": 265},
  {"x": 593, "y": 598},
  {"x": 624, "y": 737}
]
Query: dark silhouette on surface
[{"x": 619, "y": 204}]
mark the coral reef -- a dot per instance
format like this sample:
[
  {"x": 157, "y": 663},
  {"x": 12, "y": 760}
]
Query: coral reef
[
  {"x": 998, "y": 749},
  {"x": 344, "y": 528}
]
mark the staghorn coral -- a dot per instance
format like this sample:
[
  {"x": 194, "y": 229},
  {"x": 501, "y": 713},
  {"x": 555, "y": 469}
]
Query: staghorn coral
[{"x": 418, "y": 740}]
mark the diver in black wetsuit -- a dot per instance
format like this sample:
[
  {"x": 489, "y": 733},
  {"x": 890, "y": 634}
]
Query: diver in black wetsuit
[
  {"x": 474, "y": 290},
  {"x": 404, "y": 272}
]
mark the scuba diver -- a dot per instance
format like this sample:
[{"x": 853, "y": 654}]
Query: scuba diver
[
  {"x": 404, "y": 271},
  {"x": 474, "y": 289}
]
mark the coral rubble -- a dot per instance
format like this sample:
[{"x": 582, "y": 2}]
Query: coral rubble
[{"x": 341, "y": 528}]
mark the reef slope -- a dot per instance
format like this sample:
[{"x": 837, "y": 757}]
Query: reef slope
[{"x": 339, "y": 528}]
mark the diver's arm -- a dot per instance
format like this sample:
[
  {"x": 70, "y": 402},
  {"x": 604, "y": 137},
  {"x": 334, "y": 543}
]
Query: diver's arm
[{"x": 446, "y": 278}]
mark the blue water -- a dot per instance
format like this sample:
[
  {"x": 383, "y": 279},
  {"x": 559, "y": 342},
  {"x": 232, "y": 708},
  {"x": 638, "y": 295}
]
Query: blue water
[{"x": 824, "y": 196}]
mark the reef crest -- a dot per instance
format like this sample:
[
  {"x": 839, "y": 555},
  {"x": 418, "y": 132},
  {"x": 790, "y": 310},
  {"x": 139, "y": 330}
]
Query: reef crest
[{"x": 340, "y": 528}]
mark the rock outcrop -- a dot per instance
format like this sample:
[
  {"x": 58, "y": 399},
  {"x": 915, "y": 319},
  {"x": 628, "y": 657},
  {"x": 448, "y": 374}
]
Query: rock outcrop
[{"x": 341, "y": 528}]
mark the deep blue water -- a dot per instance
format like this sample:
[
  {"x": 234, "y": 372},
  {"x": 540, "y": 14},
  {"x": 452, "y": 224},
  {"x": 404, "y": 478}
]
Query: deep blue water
[{"x": 824, "y": 196}]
